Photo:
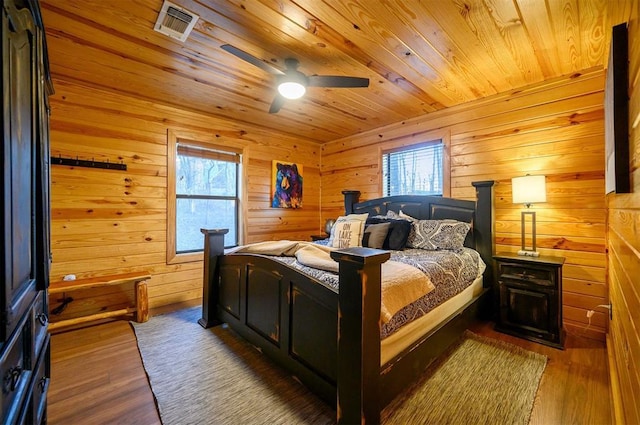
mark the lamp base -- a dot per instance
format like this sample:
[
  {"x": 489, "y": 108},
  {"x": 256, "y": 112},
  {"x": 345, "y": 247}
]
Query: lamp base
[{"x": 529, "y": 253}]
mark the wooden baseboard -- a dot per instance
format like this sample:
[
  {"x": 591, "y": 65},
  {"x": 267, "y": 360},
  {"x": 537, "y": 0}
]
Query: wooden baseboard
[
  {"x": 616, "y": 396},
  {"x": 175, "y": 307}
]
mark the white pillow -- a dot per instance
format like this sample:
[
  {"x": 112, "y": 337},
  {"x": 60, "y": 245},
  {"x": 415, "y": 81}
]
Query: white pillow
[
  {"x": 402, "y": 214},
  {"x": 347, "y": 231}
]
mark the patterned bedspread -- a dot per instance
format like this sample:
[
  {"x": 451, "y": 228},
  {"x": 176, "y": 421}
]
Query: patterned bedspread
[{"x": 450, "y": 271}]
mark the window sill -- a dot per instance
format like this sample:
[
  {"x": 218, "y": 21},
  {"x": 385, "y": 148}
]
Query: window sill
[{"x": 185, "y": 258}]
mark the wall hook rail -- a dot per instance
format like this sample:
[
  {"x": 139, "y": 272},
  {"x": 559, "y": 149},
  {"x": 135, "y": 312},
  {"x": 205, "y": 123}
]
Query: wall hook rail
[{"x": 88, "y": 163}]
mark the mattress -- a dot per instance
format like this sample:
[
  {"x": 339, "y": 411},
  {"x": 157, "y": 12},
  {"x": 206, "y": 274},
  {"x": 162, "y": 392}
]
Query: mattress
[{"x": 411, "y": 332}]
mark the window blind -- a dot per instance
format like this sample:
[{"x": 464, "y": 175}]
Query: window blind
[
  {"x": 209, "y": 153},
  {"x": 416, "y": 170}
]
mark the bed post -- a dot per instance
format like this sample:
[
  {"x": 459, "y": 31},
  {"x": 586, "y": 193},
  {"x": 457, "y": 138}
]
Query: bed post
[
  {"x": 350, "y": 197},
  {"x": 359, "y": 334},
  {"x": 484, "y": 225},
  {"x": 213, "y": 249}
]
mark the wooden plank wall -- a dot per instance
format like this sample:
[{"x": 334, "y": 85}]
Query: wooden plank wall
[
  {"x": 624, "y": 257},
  {"x": 556, "y": 129},
  {"x": 106, "y": 222}
]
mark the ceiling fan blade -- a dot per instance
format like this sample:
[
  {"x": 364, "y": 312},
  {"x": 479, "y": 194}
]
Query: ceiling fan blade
[
  {"x": 276, "y": 104},
  {"x": 337, "y": 81},
  {"x": 251, "y": 59}
]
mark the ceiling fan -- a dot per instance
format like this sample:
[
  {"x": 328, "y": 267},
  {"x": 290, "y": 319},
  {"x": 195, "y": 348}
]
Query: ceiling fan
[{"x": 292, "y": 84}]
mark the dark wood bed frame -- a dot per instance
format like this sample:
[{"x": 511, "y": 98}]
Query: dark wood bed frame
[{"x": 331, "y": 341}]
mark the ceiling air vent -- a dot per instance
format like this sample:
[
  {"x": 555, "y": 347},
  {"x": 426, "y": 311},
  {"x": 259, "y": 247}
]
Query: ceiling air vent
[{"x": 175, "y": 21}]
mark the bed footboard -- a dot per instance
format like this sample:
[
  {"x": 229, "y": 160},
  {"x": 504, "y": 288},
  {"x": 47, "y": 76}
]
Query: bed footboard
[
  {"x": 296, "y": 320},
  {"x": 289, "y": 316},
  {"x": 358, "y": 399}
]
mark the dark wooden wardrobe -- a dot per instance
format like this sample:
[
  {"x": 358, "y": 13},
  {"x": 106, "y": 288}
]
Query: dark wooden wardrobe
[{"x": 25, "y": 258}]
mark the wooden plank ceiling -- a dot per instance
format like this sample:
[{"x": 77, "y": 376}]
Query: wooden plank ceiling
[{"x": 420, "y": 56}]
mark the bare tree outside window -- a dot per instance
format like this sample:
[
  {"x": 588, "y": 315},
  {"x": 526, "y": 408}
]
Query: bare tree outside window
[
  {"x": 413, "y": 171},
  {"x": 206, "y": 196}
]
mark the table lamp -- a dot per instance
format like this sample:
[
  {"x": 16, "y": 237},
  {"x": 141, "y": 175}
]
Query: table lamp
[{"x": 528, "y": 190}]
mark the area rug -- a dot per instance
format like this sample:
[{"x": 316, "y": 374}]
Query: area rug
[{"x": 212, "y": 376}]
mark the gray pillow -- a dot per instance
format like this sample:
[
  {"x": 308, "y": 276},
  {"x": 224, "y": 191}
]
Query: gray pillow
[
  {"x": 398, "y": 232},
  {"x": 375, "y": 235}
]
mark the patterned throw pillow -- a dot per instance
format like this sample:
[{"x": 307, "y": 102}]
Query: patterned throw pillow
[
  {"x": 347, "y": 231},
  {"x": 436, "y": 234}
]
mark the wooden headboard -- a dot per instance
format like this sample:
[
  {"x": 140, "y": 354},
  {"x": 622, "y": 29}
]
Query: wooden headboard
[{"x": 478, "y": 213}]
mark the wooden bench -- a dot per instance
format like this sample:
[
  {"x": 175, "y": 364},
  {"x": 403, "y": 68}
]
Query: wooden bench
[{"x": 140, "y": 310}]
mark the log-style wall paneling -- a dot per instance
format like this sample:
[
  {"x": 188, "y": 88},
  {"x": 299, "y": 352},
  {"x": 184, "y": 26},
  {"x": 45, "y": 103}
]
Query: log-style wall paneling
[
  {"x": 555, "y": 129},
  {"x": 515, "y": 88},
  {"x": 623, "y": 233},
  {"x": 107, "y": 222}
]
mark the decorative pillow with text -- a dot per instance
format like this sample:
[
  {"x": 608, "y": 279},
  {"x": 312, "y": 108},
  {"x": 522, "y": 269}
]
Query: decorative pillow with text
[{"x": 347, "y": 231}]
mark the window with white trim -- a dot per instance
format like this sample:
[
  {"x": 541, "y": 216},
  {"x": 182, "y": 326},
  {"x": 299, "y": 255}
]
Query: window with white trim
[{"x": 414, "y": 170}]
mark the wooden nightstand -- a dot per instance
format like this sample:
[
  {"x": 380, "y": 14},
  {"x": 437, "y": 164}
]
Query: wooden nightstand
[{"x": 530, "y": 297}]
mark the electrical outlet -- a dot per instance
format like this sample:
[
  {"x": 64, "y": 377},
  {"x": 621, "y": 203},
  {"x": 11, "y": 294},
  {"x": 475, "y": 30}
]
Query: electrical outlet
[{"x": 607, "y": 306}]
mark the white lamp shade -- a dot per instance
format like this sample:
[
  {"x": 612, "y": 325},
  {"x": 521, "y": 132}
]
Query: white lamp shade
[
  {"x": 529, "y": 189},
  {"x": 291, "y": 89}
]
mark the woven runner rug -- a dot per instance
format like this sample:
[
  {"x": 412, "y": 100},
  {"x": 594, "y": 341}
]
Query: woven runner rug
[{"x": 212, "y": 376}]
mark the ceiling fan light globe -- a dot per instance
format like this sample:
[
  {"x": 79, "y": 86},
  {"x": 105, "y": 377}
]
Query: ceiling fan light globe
[{"x": 291, "y": 90}]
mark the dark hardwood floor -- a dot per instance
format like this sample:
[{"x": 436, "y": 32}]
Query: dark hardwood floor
[{"x": 97, "y": 377}]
